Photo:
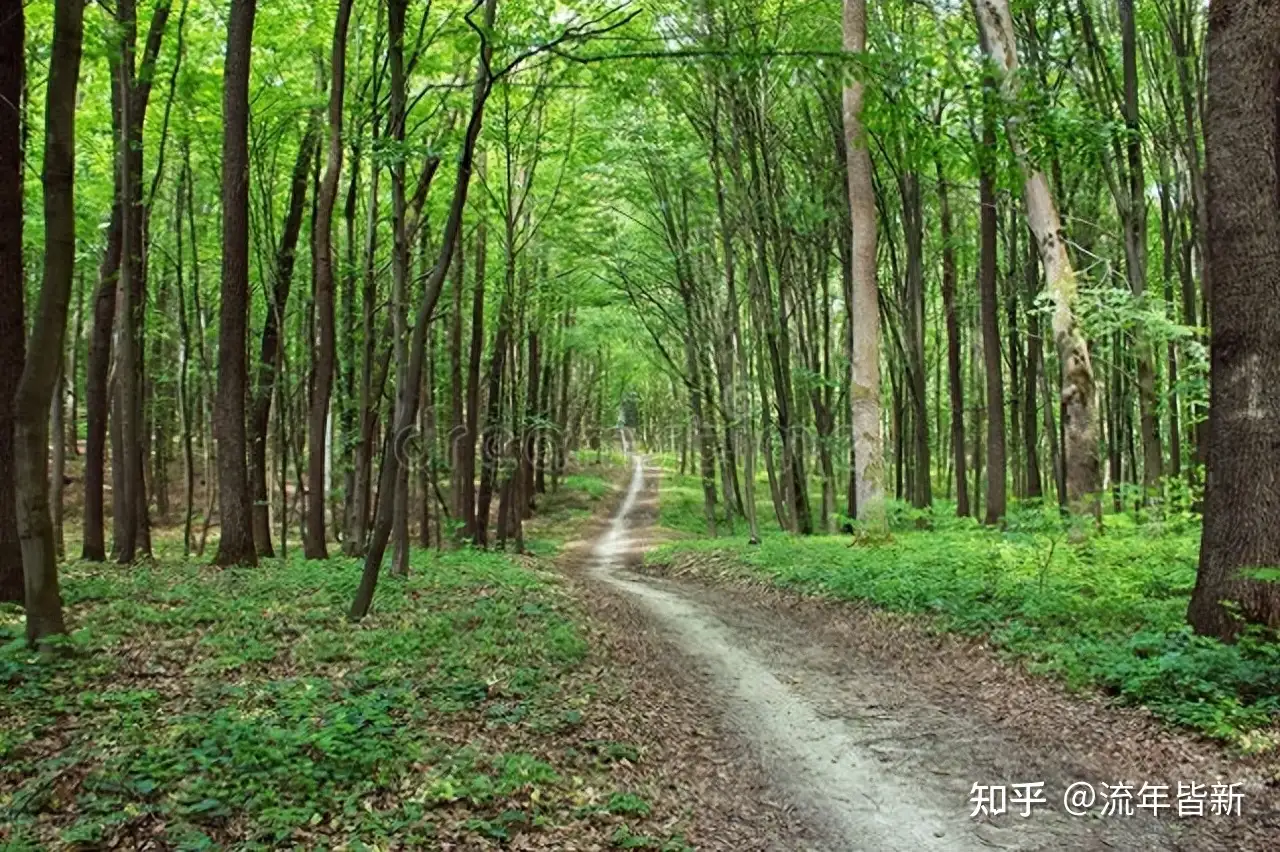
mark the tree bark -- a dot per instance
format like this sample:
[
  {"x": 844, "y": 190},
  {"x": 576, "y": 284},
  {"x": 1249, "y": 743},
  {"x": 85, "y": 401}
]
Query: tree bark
[
  {"x": 1242, "y": 141},
  {"x": 44, "y": 354},
  {"x": 955, "y": 380},
  {"x": 864, "y": 370},
  {"x": 466, "y": 443},
  {"x": 12, "y": 323},
  {"x": 1135, "y": 242},
  {"x": 399, "y": 261},
  {"x": 913, "y": 225},
  {"x": 314, "y": 540},
  {"x": 235, "y": 546},
  {"x": 993, "y": 367}
]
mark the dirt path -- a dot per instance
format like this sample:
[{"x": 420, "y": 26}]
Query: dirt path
[{"x": 865, "y": 763}]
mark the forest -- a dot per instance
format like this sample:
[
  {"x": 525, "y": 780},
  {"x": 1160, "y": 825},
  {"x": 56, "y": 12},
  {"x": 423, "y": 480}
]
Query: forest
[{"x": 375, "y": 374}]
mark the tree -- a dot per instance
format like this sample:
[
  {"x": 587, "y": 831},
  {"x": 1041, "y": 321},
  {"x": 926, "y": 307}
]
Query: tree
[
  {"x": 235, "y": 547},
  {"x": 314, "y": 539},
  {"x": 864, "y": 368},
  {"x": 1242, "y": 145},
  {"x": 135, "y": 89},
  {"x": 12, "y": 326},
  {"x": 1078, "y": 390},
  {"x": 993, "y": 365},
  {"x": 44, "y": 354}
]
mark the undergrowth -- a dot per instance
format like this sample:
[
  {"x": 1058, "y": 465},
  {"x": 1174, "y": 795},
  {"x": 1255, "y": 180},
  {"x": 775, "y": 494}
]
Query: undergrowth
[
  {"x": 1104, "y": 610},
  {"x": 200, "y": 708}
]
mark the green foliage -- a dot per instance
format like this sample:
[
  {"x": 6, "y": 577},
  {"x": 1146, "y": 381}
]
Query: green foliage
[
  {"x": 1107, "y": 613},
  {"x": 203, "y": 708}
]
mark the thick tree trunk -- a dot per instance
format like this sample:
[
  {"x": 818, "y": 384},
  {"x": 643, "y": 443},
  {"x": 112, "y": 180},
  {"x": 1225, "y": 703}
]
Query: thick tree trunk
[
  {"x": 864, "y": 370},
  {"x": 126, "y": 499},
  {"x": 1242, "y": 140},
  {"x": 40, "y": 370},
  {"x": 235, "y": 546},
  {"x": 1078, "y": 390},
  {"x": 12, "y": 324}
]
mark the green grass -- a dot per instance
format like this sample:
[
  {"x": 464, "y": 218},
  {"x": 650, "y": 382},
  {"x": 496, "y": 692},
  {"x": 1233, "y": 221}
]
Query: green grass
[
  {"x": 1108, "y": 612},
  {"x": 200, "y": 708}
]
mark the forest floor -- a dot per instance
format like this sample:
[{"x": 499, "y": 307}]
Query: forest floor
[
  {"x": 870, "y": 730},
  {"x": 602, "y": 692},
  {"x": 479, "y": 706}
]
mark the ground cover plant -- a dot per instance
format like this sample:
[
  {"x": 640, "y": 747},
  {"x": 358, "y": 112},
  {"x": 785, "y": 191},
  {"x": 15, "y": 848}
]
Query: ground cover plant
[{"x": 202, "y": 708}]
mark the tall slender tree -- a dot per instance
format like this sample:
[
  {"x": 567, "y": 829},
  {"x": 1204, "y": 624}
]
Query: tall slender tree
[
  {"x": 864, "y": 366},
  {"x": 314, "y": 541},
  {"x": 1080, "y": 428},
  {"x": 235, "y": 546},
  {"x": 44, "y": 355},
  {"x": 12, "y": 324}
]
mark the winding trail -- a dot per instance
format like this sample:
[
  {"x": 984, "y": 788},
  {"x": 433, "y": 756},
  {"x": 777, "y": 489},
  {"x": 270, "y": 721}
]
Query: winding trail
[{"x": 867, "y": 768}]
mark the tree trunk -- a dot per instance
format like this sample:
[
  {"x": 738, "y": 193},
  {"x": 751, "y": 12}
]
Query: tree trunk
[
  {"x": 235, "y": 545},
  {"x": 1078, "y": 389},
  {"x": 913, "y": 310},
  {"x": 184, "y": 359},
  {"x": 407, "y": 393},
  {"x": 1035, "y": 353},
  {"x": 126, "y": 499},
  {"x": 955, "y": 380},
  {"x": 270, "y": 353},
  {"x": 457, "y": 413},
  {"x": 40, "y": 370},
  {"x": 466, "y": 444},
  {"x": 318, "y": 423},
  {"x": 399, "y": 264},
  {"x": 12, "y": 324},
  {"x": 1242, "y": 140},
  {"x": 993, "y": 367},
  {"x": 1135, "y": 243},
  {"x": 864, "y": 370}
]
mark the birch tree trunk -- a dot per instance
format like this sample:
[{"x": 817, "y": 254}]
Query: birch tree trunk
[
  {"x": 864, "y": 369},
  {"x": 1079, "y": 394}
]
